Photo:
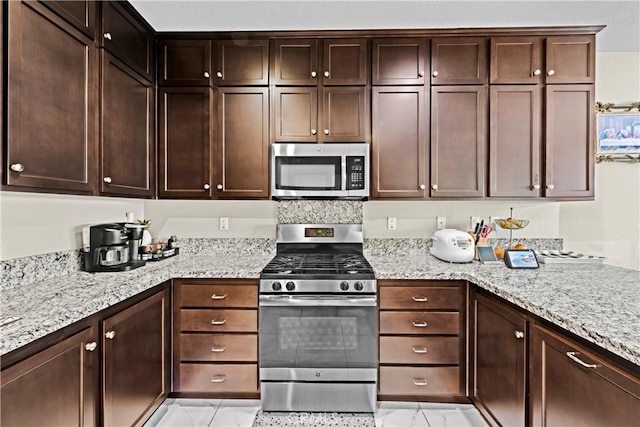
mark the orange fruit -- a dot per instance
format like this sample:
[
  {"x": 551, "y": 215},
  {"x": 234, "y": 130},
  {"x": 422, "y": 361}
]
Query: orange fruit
[
  {"x": 499, "y": 251},
  {"x": 519, "y": 246}
]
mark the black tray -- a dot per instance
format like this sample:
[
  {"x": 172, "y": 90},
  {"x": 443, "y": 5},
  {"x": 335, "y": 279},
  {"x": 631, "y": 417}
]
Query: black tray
[{"x": 160, "y": 256}]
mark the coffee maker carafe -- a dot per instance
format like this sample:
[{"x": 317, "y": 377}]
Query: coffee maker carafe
[{"x": 111, "y": 247}]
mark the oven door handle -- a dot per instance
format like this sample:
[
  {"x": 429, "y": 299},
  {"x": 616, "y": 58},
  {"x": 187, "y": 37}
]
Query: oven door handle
[{"x": 316, "y": 301}]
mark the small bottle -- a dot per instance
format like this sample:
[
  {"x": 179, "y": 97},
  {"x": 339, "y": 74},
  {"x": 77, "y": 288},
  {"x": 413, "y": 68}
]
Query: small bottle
[{"x": 172, "y": 242}]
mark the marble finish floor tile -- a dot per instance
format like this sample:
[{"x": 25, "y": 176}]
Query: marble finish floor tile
[
  {"x": 440, "y": 415},
  {"x": 400, "y": 414},
  {"x": 184, "y": 413},
  {"x": 236, "y": 413}
]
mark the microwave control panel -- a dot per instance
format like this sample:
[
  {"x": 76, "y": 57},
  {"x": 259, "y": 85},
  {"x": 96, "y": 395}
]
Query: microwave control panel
[{"x": 355, "y": 173}]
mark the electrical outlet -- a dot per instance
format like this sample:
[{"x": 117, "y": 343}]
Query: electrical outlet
[
  {"x": 224, "y": 223},
  {"x": 492, "y": 220},
  {"x": 441, "y": 222},
  {"x": 391, "y": 223},
  {"x": 474, "y": 220}
]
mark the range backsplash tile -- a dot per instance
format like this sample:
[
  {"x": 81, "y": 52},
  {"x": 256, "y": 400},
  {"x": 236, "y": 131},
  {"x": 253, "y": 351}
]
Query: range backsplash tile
[
  {"x": 417, "y": 246},
  {"x": 228, "y": 246},
  {"x": 320, "y": 212},
  {"x": 21, "y": 271}
]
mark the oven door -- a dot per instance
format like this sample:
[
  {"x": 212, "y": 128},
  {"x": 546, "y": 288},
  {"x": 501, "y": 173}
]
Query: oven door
[{"x": 318, "y": 338}]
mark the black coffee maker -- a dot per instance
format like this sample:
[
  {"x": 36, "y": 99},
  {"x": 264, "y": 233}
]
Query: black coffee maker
[{"x": 112, "y": 247}]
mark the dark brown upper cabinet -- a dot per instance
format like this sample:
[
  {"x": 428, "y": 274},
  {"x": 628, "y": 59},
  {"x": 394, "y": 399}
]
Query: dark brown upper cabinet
[
  {"x": 515, "y": 141},
  {"x": 458, "y": 141},
  {"x": 81, "y": 14},
  {"x": 184, "y": 142},
  {"x": 242, "y": 63},
  {"x": 570, "y": 59},
  {"x": 184, "y": 63},
  {"x": 295, "y": 114},
  {"x": 569, "y": 150},
  {"x": 399, "y": 145},
  {"x": 51, "y": 102},
  {"x": 242, "y": 152},
  {"x": 296, "y": 62},
  {"x": 127, "y": 143},
  {"x": 344, "y": 114},
  {"x": 128, "y": 37},
  {"x": 516, "y": 60},
  {"x": 399, "y": 61},
  {"x": 458, "y": 60}
]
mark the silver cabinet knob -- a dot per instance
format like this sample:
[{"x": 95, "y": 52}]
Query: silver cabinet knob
[
  {"x": 536, "y": 72},
  {"x": 551, "y": 72},
  {"x": 535, "y": 187},
  {"x": 422, "y": 186},
  {"x": 314, "y": 74},
  {"x": 420, "y": 74},
  {"x": 326, "y": 131},
  {"x": 107, "y": 36},
  {"x": 206, "y": 186},
  {"x": 519, "y": 334},
  {"x": 107, "y": 179},
  {"x": 206, "y": 74},
  {"x": 219, "y": 74},
  {"x": 313, "y": 131},
  {"x": 17, "y": 167},
  {"x": 435, "y": 74},
  {"x": 550, "y": 187},
  {"x": 434, "y": 187},
  {"x": 91, "y": 346},
  {"x": 219, "y": 186},
  {"x": 326, "y": 74},
  {"x": 110, "y": 335}
]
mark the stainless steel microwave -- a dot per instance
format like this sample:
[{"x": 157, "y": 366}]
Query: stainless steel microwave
[{"x": 320, "y": 171}]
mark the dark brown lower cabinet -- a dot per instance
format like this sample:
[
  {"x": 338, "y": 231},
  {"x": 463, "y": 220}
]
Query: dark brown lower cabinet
[
  {"x": 572, "y": 386},
  {"x": 500, "y": 362},
  {"x": 135, "y": 361},
  {"x": 55, "y": 387}
]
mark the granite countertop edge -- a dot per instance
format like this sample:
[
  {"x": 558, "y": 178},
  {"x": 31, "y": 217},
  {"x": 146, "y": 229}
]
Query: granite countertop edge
[{"x": 65, "y": 300}]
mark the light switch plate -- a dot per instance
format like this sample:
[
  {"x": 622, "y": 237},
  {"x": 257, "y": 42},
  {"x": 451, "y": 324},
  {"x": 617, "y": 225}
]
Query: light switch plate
[
  {"x": 391, "y": 223},
  {"x": 224, "y": 223}
]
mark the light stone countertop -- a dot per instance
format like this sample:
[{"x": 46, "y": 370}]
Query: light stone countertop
[{"x": 597, "y": 302}]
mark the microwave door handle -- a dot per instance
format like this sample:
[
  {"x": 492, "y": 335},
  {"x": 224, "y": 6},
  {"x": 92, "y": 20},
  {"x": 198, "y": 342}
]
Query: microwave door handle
[{"x": 343, "y": 175}]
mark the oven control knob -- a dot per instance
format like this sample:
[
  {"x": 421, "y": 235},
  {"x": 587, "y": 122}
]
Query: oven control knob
[
  {"x": 358, "y": 286},
  {"x": 344, "y": 286},
  {"x": 291, "y": 286},
  {"x": 276, "y": 286}
]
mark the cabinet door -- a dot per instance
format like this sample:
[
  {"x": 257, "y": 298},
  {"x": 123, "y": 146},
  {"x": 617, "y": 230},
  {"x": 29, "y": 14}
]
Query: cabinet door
[
  {"x": 500, "y": 362},
  {"x": 399, "y": 142},
  {"x": 51, "y": 114},
  {"x": 399, "y": 61},
  {"x": 571, "y": 59},
  {"x": 81, "y": 14},
  {"x": 345, "y": 62},
  {"x": 516, "y": 60},
  {"x": 571, "y": 386},
  {"x": 126, "y": 36},
  {"x": 458, "y": 134},
  {"x": 56, "y": 387},
  {"x": 243, "y": 143},
  {"x": 514, "y": 145},
  {"x": 295, "y": 62},
  {"x": 242, "y": 63},
  {"x": 184, "y": 143},
  {"x": 135, "y": 348},
  {"x": 127, "y": 144},
  {"x": 344, "y": 114},
  {"x": 295, "y": 117},
  {"x": 185, "y": 63},
  {"x": 458, "y": 60},
  {"x": 569, "y": 159}
]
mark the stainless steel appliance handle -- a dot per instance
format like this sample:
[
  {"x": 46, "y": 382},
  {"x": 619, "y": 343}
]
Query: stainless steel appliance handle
[{"x": 316, "y": 301}]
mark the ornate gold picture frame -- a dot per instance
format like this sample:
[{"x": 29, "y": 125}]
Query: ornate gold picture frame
[{"x": 618, "y": 132}]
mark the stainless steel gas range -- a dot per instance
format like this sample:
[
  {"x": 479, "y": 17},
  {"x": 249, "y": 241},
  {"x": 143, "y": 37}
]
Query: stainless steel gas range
[{"x": 318, "y": 322}]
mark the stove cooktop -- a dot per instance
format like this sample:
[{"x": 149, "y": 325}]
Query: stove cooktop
[{"x": 318, "y": 266}]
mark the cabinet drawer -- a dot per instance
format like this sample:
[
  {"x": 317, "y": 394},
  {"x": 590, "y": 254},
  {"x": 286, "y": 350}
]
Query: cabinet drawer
[
  {"x": 218, "y": 378},
  {"x": 219, "y": 347},
  {"x": 423, "y": 350},
  {"x": 401, "y": 380},
  {"x": 239, "y": 296},
  {"x": 420, "y": 298},
  {"x": 219, "y": 320},
  {"x": 419, "y": 323}
]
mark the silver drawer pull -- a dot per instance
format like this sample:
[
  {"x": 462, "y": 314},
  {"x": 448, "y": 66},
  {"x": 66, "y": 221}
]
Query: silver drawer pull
[
  {"x": 419, "y": 350},
  {"x": 572, "y": 356},
  {"x": 420, "y": 299},
  {"x": 214, "y": 296},
  {"x": 218, "y": 379},
  {"x": 420, "y": 324},
  {"x": 218, "y": 322},
  {"x": 419, "y": 381},
  {"x": 218, "y": 349}
]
